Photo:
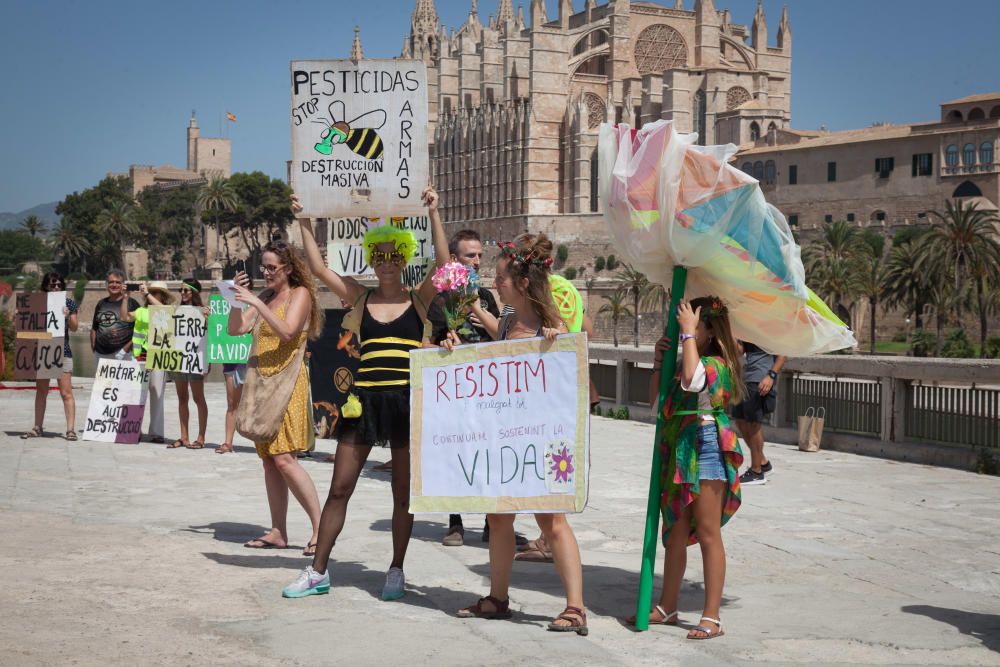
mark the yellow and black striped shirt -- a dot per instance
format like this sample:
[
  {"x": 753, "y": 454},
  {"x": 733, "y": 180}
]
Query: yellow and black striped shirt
[{"x": 385, "y": 350}]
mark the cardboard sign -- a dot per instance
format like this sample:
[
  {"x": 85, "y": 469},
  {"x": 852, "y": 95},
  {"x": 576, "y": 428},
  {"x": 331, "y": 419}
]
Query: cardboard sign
[
  {"x": 333, "y": 361},
  {"x": 500, "y": 427},
  {"x": 38, "y": 358},
  {"x": 359, "y": 137},
  {"x": 177, "y": 340},
  {"x": 40, "y": 313},
  {"x": 223, "y": 348},
  {"x": 117, "y": 402},
  {"x": 345, "y": 251}
]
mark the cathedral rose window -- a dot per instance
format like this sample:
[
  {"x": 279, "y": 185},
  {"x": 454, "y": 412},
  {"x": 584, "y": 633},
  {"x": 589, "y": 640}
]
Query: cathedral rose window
[
  {"x": 736, "y": 96},
  {"x": 659, "y": 48},
  {"x": 596, "y": 109}
]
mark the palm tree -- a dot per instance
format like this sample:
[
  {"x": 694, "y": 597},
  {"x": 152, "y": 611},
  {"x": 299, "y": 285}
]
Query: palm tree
[
  {"x": 616, "y": 308},
  {"x": 871, "y": 283},
  {"x": 905, "y": 283},
  {"x": 987, "y": 282},
  {"x": 657, "y": 297},
  {"x": 33, "y": 225},
  {"x": 962, "y": 242},
  {"x": 70, "y": 243},
  {"x": 117, "y": 225},
  {"x": 634, "y": 283},
  {"x": 833, "y": 265},
  {"x": 218, "y": 195}
]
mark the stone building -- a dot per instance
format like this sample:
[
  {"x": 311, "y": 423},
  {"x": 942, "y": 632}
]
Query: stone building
[
  {"x": 206, "y": 157},
  {"x": 885, "y": 175},
  {"x": 515, "y": 101}
]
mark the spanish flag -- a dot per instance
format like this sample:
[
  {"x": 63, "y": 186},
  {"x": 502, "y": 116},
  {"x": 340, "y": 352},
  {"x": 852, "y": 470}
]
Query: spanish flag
[{"x": 230, "y": 116}]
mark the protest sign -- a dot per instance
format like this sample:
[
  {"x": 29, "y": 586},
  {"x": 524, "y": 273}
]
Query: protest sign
[
  {"x": 223, "y": 348},
  {"x": 40, "y": 328},
  {"x": 345, "y": 251},
  {"x": 177, "y": 340},
  {"x": 38, "y": 358},
  {"x": 500, "y": 427},
  {"x": 333, "y": 361},
  {"x": 117, "y": 402},
  {"x": 359, "y": 137}
]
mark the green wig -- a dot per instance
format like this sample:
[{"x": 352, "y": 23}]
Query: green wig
[{"x": 403, "y": 239}]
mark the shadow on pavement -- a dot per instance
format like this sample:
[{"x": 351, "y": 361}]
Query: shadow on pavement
[
  {"x": 227, "y": 531},
  {"x": 984, "y": 627}
]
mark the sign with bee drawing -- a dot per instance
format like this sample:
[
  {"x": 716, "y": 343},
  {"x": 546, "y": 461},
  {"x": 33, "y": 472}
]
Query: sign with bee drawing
[{"x": 359, "y": 137}]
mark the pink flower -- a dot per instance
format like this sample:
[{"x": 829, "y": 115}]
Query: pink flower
[
  {"x": 453, "y": 276},
  {"x": 562, "y": 465}
]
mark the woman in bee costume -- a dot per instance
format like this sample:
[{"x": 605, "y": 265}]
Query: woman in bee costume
[{"x": 391, "y": 320}]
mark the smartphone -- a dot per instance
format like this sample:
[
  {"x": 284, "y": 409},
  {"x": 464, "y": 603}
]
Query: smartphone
[{"x": 132, "y": 287}]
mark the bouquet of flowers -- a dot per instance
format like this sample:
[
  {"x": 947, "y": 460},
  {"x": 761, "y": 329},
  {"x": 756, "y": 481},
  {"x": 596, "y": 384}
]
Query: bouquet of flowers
[{"x": 459, "y": 287}]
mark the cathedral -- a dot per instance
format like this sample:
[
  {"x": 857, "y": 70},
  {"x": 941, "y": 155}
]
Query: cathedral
[{"x": 515, "y": 101}]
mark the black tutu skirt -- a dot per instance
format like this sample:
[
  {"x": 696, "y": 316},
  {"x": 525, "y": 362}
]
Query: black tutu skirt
[{"x": 384, "y": 420}]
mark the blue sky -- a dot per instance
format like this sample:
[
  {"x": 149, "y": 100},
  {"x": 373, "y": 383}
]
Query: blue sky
[{"x": 89, "y": 88}]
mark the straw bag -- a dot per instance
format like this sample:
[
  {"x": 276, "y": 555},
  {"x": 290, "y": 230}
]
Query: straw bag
[
  {"x": 811, "y": 429},
  {"x": 265, "y": 397}
]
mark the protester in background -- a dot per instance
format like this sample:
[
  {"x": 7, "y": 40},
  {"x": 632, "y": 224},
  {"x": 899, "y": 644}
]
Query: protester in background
[
  {"x": 284, "y": 315},
  {"x": 53, "y": 282},
  {"x": 235, "y": 375},
  {"x": 110, "y": 336},
  {"x": 156, "y": 294},
  {"x": 466, "y": 247},
  {"x": 522, "y": 282},
  {"x": 701, "y": 457},
  {"x": 191, "y": 296},
  {"x": 760, "y": 376},
  {"x": 390, "y": 321}
]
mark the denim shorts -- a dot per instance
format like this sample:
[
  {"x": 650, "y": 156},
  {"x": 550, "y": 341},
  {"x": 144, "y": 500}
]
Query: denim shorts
[{"x": 711, "y": 465}]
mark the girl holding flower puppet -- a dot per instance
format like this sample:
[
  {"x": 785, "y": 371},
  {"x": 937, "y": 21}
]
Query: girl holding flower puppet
[{"x": 389, "y": 320}]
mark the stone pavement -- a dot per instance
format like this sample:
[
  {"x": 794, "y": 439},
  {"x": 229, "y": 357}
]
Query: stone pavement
[{"x": 133, "y": 555}]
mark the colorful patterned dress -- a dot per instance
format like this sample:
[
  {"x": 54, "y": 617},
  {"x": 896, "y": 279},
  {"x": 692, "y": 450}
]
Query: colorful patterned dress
[
  {"x": 296, "y": 433},
  {"x": 679, "y": 444}
]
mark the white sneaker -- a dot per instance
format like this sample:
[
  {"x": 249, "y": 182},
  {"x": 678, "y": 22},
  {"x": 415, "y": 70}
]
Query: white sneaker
[
  {"x": 310, "y": 582},
  {"x": 394, "y": 584}
]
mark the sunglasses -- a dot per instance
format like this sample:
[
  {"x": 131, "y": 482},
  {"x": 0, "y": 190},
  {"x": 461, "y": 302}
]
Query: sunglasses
[
  {"x": 381, "y": 257},
  {"x": 270, "y": 268}
]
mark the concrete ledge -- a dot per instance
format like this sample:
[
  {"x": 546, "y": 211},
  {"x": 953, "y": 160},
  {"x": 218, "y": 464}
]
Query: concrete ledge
[{"x": 960, "y": 457}]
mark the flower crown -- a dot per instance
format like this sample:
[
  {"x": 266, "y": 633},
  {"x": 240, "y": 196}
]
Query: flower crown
[
  {"x": 524, "y": 259},
  {"x": 714, "y": 310}
]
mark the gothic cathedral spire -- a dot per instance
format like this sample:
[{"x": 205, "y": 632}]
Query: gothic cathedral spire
[
  {"x": 758, "y": 31},
  {"x": 784, "y": 31},
  {"x": 423, "y": 30},
  {"x": 356, "y": 52}
]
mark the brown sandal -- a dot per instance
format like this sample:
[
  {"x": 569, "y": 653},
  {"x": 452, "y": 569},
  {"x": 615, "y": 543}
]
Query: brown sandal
[
  {"x": 72, "y": 436},
  {"x": 195, "y": 444},
  {"x": 576, "y": 618},
  {"x": 176, "y": 444},
  {"x": 501, "y": 609},
  {"x": 224, "y": 448},
  {"x": 36, "y": 431}
]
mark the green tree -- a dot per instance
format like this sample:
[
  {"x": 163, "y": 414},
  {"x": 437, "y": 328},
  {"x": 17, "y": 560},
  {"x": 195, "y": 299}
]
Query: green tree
[
  {"x": 18, "y": 248},
  {"x": 33, "y": 225},
  {"x": 833, "y": 264},
  {"x": 635, "y": 283},
  {"x": 80, "y": 211},
  {"x": 70, "y": 244},
  {"x": 166, "y": 218},
  {"x": 871, "y": 283},
  {"x": 615, "y": 308},
  {"x": 906, "y": 283},
  {"x": 963, "y": 241},
  {"x": 215, "y": 196},
  {"x": 117, "y": 226},
  {"x": 263, "y": 208}
]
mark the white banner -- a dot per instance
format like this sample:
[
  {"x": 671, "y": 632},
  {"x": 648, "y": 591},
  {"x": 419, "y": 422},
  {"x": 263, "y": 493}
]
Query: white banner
[
  {"x": 500, "y": 427},
  {"x": 359, "y": 137},
  {"x": 117, "y": 402},
  {"x": 345, "y": 249}
]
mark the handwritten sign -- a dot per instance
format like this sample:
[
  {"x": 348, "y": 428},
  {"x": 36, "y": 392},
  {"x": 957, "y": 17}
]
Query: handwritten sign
[
  {"x": 359, "y": 136},
  {"x": 40, "y": 330},
  {"x": 223, "y": 348},
  {"x": 345, "y": 250},
  {"x": 177, "y": 340},
  {"x": 500, "y": 427},
  {"x": 117, "y": 402}
]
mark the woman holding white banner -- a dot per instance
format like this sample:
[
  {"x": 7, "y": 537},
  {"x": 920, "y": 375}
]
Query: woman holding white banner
[
  {"x": 275, "y": 412},
  {"x": 53, "y": 282},
  {"x": 522, "y": 280},
  {"x": 191, "y": 296},
  {"x": 390, "y": 320}
]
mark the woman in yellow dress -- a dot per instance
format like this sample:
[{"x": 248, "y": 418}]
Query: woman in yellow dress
[{"x": 281, "y": 318}]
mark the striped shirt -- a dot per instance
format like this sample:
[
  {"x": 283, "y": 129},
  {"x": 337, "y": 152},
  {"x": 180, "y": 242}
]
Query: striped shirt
[{"x": 385, "y": 349}]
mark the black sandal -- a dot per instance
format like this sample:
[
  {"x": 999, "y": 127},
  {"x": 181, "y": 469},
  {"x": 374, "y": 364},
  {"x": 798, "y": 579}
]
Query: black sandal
[
  {"x": 576, "y": 618},
  {"x": 501, "y": 609}
]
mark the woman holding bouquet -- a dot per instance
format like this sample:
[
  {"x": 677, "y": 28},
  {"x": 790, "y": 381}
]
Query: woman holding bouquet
[{"x": 390, "y": 320}]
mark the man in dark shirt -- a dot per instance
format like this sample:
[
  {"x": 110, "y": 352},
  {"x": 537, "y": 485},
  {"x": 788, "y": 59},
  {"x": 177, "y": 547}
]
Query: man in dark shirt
[
  {"x": 465, "y": 247},
  {"x": 760, "y": 377},
  {"x": 111, "y": 336}
]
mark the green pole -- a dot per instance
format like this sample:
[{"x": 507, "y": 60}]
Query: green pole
[{"x": 653, "y": 502}]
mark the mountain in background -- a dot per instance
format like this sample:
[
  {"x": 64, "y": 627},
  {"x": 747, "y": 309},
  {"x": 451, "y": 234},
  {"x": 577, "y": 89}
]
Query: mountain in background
[{"x": 45, "y": 212}]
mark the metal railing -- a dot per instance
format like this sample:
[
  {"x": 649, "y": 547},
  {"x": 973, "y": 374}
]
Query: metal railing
[
  {"x": 953, "y": 415},
  {"x": 852, "y": 406}
]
